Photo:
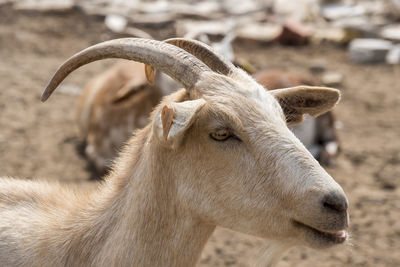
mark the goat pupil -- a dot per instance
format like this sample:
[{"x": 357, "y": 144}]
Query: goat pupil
[{"x": 221, "y": 135}]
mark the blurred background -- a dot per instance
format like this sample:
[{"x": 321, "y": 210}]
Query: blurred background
[{"x": 351, "y": 45}]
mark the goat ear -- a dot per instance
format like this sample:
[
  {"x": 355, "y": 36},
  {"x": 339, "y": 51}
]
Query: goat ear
[
  {"x": 300, "y": 100},
  {"x": 150, "y": 72},
  {"x": 172, "y": 121},
  {"x": 128, "y": 90}
]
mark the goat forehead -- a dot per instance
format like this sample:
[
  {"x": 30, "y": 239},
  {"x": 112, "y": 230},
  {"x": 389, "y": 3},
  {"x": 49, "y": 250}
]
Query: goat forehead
[
  {"x": 248, "y": 100},
  {"x": 247, "y": 108}
]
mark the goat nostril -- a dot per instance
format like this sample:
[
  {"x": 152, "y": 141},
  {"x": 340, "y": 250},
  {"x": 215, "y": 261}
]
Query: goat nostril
[
  {"x": 335, "y": 202},
  {"x": 335, "y": 207}
]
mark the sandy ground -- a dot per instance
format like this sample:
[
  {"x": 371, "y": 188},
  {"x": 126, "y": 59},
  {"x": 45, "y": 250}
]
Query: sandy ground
[{"x": 39, "y": 140}]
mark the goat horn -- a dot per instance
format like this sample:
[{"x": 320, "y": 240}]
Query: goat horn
[
  {"x": 205, "y": 53},
  {"x": 200, "y": 50},
  {"x": 177, "y": 63}
]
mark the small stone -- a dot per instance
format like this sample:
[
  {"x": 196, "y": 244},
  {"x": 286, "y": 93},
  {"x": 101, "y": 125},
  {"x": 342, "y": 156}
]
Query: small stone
[
  {"x": 393, "y": 57},
  {"x": 330, "y": 34},
  {"x": 151, "y": 20},
  {"x": 299, "y": 9},
  {"x": 317, "y": 68},
  {"x": 391, "y": 33},
  {"x": 44, "y": 5},
  {"x": 393, "y": 8},
  {"x": 336, "y": 11},
  {"x": 116, "y": 23},
  {"x": 193, "y": 28},
  {"x": 219, "y": 251},
  {"x": 389, "y": 176},
  {"x": 239, "y": 7},
  {"x": 69, "y": 89},
  {"x": 204, "y": 9},
  {"x": 358, "y": 27},
  {"x": 261, "y": 32},
  {"x": 295, "y": 33},
  {"x": 369, "y": 50},
  {"x": 332, "y": 78}
]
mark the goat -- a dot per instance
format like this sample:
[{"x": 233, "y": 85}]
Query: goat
[
  {"x": 118, "y": 101},
  {"x": 217, "y": 153},
  {"x": 112, "y": 105},
  {"x": 317, "y": 134}
]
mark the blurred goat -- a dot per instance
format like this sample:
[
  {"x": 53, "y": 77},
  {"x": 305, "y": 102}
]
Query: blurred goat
[
  {"x": 113, "y": 105},
  {"x": 317, "y": 134}
]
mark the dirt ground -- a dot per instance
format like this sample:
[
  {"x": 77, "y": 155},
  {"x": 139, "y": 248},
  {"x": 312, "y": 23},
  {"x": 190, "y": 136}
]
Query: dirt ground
[{"x": 39, "y": 140}]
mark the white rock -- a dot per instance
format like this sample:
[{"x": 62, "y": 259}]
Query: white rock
[
  {"x": 239, "y": 7},
  {"x": 262, "y": 32},
  {"x": 205, "y": 9},
  {"x": 153, "y": 7},
  {"x": 69, "y": 89},
  {"x": 369, "y": 50},
  {"x": 336, "y": 11},
  {"x": 331, "y": 34},
  {"x": 105, "y": 7},
  {"x": 358, "y": 26},
  {"x": 115, "y": 23},
  {"x": 193, "y": 28},
  {"x": 151, "y": 19},
  {"x": 43, "y": 5},
  {"x": 298, "y": 9},
  {"x": 393, "y": 57},
  {"x": 332, "y": 78},
  {"x": 391, "y": 32}
]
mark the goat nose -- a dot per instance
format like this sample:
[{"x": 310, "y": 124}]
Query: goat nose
[{"x": 335, "y": 202}]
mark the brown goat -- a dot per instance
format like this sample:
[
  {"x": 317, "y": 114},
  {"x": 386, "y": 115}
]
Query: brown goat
[{"x": 113, "y": 105}]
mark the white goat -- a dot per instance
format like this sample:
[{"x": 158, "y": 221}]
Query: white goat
[
  {"x": 119, "y": 101},
  {"x": 216, "y": 153}
]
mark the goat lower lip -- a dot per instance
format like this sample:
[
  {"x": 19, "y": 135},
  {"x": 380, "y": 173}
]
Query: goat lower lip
[{"x": 335, "y": 237}]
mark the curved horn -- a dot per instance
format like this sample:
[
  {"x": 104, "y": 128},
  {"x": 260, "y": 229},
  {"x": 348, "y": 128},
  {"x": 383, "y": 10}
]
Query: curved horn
[
  {"x": 170, "y": 59},
  {"x": 205, "y": 53},
  {"x": 200, "y": 50}
]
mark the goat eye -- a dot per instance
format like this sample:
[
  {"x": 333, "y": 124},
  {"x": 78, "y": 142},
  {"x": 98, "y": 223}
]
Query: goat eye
[{"x": 221, "y": 135}]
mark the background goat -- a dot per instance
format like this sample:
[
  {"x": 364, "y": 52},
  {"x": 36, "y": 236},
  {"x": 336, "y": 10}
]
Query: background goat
[
  {"x": 217, "y": 153},
  {"x": 317, "y": 134},
  {"x": 114, "y": 104}
]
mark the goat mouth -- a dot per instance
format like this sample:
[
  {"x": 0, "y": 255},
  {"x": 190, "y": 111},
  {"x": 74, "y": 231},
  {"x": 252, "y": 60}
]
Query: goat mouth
[{"x": 327, "y": 237}]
